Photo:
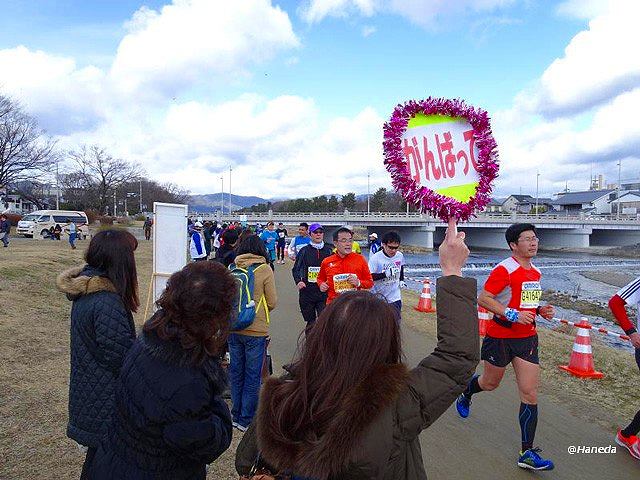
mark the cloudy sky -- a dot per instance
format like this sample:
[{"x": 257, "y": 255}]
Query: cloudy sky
[{"x": 293, "y": 95}]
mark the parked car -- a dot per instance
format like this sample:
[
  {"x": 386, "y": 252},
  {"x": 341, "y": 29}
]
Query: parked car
[{"x": 40, "y": 222}]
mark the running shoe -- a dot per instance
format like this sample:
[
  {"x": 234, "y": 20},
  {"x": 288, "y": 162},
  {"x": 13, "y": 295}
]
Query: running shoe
[
  {"x": 530, "y": 459},
  {"x": 463, "y": 405},
  {"x": 631, "y": 443}
]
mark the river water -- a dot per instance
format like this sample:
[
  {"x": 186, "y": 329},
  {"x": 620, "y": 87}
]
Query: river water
[{"x": 561, "y": 271}]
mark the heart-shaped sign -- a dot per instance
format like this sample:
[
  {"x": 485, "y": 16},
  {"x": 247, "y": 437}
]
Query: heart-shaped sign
[{"x": 441, "y": 156}]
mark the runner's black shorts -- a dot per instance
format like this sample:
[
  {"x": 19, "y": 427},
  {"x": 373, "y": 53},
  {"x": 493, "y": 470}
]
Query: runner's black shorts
[{"x": 501, "y": 351}]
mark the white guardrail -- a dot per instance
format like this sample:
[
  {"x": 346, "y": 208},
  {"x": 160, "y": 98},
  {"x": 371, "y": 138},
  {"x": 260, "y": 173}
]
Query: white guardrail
[{"x": 483, "y": 217}]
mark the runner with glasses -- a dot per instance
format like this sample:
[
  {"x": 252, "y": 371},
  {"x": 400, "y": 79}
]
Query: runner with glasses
[
  {"x": 344, "y": 270},
  {"x": 387, "y": 270},
  {"x": 305, "y": 275},
  {"x": 513, "y": 293}
]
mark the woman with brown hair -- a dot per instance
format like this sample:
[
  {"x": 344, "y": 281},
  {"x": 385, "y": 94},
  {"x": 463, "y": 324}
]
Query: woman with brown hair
[
  {"x": 104, "y": 294},
  {"x": 170, "y": 420},
  {"x": 247, "y": 347},
  {"x": 349, "y": 407}
]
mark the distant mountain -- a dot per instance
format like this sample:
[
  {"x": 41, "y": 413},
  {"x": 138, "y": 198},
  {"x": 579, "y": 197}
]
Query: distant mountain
[{"x": 211, "y": 202}]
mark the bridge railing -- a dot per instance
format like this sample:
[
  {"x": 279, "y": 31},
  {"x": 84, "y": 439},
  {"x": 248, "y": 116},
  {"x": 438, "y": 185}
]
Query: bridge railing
[{"x": 482, "y": 217}]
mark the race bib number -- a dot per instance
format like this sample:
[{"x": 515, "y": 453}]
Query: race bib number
[
  {"x": 531, "y": 295},
  {"x": 312, "y": 274},
  {"x": 281, "y": 234},
  {"x": 341, "y": 283},
  {"x": 395, "y": 274}
]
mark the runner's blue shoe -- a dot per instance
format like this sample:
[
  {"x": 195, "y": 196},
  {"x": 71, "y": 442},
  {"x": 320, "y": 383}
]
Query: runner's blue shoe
[
  {"x": 530, "y": 459},
  {"x": 463, "y": 405}
]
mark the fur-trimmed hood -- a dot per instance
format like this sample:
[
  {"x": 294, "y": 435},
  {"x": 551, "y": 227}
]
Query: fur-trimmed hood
[
  {"x": 79, "y": 281},
  {"x": 330, "y": 454}
]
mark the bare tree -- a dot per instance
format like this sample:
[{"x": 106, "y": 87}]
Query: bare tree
[
  {"x": 26, "y": 153},
  {"x": 152, "y": 191},
  {"x": 96, "y": 169}
]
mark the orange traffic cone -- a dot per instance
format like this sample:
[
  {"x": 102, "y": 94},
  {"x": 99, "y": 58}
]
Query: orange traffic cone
[
  {"x": 581, "y": 360},
  {"x": 425, "y": 305},
  {"x": 484, "y": 317}
]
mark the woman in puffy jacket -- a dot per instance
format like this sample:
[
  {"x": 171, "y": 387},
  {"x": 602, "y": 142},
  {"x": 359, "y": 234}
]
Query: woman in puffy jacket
[
  {"x": 170, "y": 420},
  {"x": 104, "y": 294}
]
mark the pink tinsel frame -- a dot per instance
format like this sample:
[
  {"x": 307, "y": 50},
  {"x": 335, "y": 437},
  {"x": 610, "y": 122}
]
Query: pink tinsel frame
[{"x": 424, "y": 198}]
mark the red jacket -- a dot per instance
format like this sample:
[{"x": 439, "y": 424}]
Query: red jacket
[{"x": 334, "y": 269}]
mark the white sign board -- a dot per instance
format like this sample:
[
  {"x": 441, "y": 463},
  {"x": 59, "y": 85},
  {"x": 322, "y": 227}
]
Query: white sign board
[{"x": 169, "y": 243}]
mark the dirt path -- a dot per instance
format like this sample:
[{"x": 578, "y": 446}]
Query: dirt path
[{"x": 485, "y": 445}]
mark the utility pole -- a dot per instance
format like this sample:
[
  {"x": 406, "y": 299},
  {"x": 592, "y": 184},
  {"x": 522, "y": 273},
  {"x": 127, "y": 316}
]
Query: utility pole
[
  {"x": 57, "y": 185},
  {"x": 619, "y": 169},
  {"x": 115, "y": 207},
  {"x": 230, "y": 210},
  {"x": 537, "y": 179},
  {"x": 222, "y": 194},
  {"x": 140, "y": 180},
  {"x": 368, "y": 193}
]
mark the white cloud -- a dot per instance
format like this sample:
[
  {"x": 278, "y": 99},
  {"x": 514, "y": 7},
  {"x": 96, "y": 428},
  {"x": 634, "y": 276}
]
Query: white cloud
[
  {"x": 198, "y": 42},
  {"x": 583, "y": 9},
  {"x": 599, "y": 64},
  {"x": 579, "y": 118},
  {"x": 190, "y": 43},
  {"x": 53, "y": 88},
  {"x": 315, "y": 11},
  {"x": 276, "y": 146},
  {"x": 563, "y": 150},
  {"x": 424, "y": 13}
]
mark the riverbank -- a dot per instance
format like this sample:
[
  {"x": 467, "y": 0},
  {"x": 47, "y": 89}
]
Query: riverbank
[{"x": 628, "y": 251}]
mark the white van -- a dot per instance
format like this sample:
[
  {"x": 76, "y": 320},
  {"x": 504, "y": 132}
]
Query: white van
[{"x": 41, "y": 221}]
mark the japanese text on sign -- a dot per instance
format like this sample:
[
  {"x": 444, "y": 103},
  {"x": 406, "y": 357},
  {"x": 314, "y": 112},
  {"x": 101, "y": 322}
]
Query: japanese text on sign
[{"x": 441, "y": 155}]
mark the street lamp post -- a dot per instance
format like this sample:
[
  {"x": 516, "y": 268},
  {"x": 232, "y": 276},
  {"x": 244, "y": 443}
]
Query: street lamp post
[
  {"x": 221, "y": 194},
  {"x": 115, "y": 206},
  {"x": 618, "y": 209},
  {"x": 229, "y": 189},
  {"x": 368, "y": 193},
  {"x": 537, "y": 182},
  {"x": 57, "y": 185},
  {"x": 127, "y": 195},
  {"x": 140, "y": 180}
]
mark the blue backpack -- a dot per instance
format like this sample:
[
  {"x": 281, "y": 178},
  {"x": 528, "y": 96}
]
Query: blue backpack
[{"x": 246, "y": 306}]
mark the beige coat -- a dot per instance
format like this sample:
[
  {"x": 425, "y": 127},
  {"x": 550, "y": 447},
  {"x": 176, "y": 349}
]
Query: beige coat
[{"x": 264, "y": 286}]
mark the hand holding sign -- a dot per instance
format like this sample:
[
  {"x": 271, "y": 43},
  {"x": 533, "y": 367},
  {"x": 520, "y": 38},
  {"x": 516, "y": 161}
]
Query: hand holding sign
[
  {"x": 442, "y": 156},
  {"x": 453, "y": 252}
]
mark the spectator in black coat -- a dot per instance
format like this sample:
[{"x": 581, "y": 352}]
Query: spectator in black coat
[
  {"x": 104, "y": 294},
  {"x": 170, "y": 418}
]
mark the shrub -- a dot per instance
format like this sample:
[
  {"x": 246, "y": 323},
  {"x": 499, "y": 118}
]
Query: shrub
[
  {"x": 140, "y": 217},
  {"x": 92, "y": 215},
  {"x": 106, "y": 220},
  {"x": 126, "y": 221}
]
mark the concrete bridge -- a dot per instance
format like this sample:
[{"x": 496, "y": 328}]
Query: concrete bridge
[{"x": 486, "y": 230}]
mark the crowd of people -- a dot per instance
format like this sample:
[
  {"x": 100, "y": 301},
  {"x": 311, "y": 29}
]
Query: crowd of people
[
  {"x": 151, "y": 405},
  {"x": 54, "y": 233}
]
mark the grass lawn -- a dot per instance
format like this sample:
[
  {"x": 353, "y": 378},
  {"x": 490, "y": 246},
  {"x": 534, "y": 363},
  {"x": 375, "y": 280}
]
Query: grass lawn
[{"x": 34, "y": 361}]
